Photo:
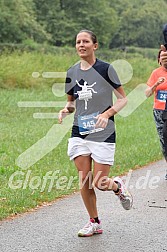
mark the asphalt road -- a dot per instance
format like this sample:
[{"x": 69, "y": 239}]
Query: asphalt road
[{"x": 54, "y": 228}]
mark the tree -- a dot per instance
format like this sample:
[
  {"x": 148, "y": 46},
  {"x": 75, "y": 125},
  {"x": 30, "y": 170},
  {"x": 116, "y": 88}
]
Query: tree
[
  {"x": 18, "y": 21},
  {"x": 63, "y": 20},
  {"x": 116, "y": 23},
  {"x": 141, "y": 26},
  {"x": 100, "y": 18}
]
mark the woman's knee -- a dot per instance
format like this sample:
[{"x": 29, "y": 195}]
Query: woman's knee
[
  {"x": 85, "y": 179},
  {"x": 101, "y": 183}
]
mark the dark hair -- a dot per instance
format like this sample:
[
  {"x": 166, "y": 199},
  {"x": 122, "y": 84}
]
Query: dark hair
[
  {"x": 92, "y": 35},
  {"x": 158, "y": 58}
]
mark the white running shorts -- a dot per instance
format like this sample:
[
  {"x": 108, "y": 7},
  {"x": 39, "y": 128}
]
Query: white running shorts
[{"x": 101, "y": 152}]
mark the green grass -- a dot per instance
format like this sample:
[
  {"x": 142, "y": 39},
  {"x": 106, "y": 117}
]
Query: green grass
[
  {"x": 18, "y": 132},
  {"x": 17, "y": 68},
  {"x": 137, "y": 140}
]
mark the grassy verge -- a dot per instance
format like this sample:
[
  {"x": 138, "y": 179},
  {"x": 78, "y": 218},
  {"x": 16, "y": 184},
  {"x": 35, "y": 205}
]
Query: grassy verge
[{"x": 21, "y": 189}]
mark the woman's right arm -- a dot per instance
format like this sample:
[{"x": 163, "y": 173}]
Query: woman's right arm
[
  {"x": 69, "y": 108},
  {"x": 150, "y": 90}
]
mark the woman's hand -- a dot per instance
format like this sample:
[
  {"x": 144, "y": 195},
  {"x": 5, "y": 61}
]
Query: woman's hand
[
  {"x": 102, "y": 120},
  {"x": 68, "y": 109},
  {"x": 160, "y": 80},
  {"x": 163, "y": 56},
  {"x": 62, "y": 114},
  {"x": 150, "y": 90}
]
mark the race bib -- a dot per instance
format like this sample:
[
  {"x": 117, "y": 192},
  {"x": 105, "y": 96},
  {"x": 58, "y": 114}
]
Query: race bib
[
  {"x": 162, "y": 95},
  {"x": 87, "y": 124}
]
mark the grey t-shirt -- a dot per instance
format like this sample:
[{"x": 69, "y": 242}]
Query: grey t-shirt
[{"x": 93, "y": 92}]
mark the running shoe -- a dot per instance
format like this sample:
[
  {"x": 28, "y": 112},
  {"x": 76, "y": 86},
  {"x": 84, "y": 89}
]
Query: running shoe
[
  {"x": 123, "y": 194},
  {"x": 90, "y": 229}
]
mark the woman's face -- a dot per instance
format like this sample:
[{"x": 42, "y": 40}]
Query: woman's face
[{"x": 85, "y": 46}]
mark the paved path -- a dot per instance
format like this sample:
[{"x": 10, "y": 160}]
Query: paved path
[{"x": 54, "y": 228}]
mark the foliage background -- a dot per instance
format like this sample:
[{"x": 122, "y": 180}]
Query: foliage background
[{"x": 117, "y": 23}]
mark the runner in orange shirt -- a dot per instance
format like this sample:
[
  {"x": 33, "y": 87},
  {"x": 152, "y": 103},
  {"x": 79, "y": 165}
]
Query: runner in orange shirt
[{"x": 157, "y": 86}]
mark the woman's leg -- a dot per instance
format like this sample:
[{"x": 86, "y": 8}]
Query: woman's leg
[
  {"x": 101, "y": 179},
  {"x": 84, "y": 166},
  {"x": 104, "y": 183},
  {"x": 159, "y": 126},
  {"x": 165, "y": 142}
]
